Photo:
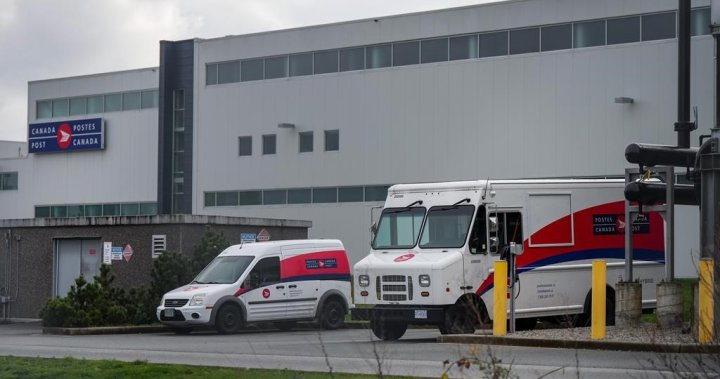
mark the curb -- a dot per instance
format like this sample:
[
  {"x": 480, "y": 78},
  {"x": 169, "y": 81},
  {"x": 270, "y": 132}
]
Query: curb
[
  {"x": 580, "y": 344},
  {"x": 107, "y": 330}
]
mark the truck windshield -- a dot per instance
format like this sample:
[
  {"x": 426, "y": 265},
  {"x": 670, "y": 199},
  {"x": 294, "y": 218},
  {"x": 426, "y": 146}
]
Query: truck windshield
[
  {"x": 224, "y": 270},
  {"x": 446, "y": 226},
  {"x": 398, "y": 228}
]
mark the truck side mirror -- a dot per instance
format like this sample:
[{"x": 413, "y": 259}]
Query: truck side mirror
[
  {"x": 493, "y": 239},
  {"x": 493, "y": 244}
]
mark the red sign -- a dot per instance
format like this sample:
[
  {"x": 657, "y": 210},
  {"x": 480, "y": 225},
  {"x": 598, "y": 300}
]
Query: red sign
[
  {"x": 266, "y": 293},
  {"x": 64, "y": 136},
  {"x": 263, "y": 236},
  {"x": 404, "y": 258},
  {"x": 92, "y": 251},
  {"x": 127, "y": 252}
]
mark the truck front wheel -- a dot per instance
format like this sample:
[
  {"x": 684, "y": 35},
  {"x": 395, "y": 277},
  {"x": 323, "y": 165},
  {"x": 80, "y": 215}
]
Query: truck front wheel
[{"x": 388, "y": 330}]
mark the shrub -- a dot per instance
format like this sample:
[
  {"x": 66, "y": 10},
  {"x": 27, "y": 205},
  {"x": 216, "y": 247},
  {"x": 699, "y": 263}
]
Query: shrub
[{"x": 211, "y": 244}]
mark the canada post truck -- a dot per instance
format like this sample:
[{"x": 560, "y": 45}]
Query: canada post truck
[
  {"x": 435, "y": 244},
  {"x": 278, "y": 281}
]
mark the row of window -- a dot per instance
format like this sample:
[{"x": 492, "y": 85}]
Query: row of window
[
  {"x": 602, "y": 32},
  {"x": 96, "y": 210},
  {"x": 306, "y": 143},
  {"x": 320, "y": 195},
  {"x": 112, "y": 102},
  {"x": 8, "y": 181}
]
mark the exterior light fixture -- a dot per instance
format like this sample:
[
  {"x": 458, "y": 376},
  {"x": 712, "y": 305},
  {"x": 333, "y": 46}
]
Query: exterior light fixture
[
  {"x": 286, "y": 125},
  {"x": 624, "y": 100}
]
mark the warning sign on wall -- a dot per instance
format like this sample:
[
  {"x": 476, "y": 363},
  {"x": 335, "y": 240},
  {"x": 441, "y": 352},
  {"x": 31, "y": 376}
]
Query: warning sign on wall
[{"x": 127, "y": 252}]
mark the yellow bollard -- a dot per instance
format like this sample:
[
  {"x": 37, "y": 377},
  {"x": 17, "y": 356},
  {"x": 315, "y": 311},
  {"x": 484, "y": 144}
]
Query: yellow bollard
[
  {"x": 705, "y": 301},
  {"x": 598, "y": 299},
  {"x": 500, "y": 299}
]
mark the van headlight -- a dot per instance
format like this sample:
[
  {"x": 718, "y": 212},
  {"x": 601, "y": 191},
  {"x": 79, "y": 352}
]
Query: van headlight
[
  {"x": 364, "y": 280},
  {"x": 424, "y": 280},
  {"x": 198, "y": 299}
]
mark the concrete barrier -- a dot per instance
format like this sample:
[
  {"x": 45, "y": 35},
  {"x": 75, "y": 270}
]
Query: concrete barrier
[
  {"x": 669, "y": 305},
  {"x": 628, "y": 303}
]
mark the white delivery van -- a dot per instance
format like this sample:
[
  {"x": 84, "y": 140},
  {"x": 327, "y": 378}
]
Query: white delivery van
[
  {"x": 435, "y": 246},
  {"x": 278, "y": 281}
]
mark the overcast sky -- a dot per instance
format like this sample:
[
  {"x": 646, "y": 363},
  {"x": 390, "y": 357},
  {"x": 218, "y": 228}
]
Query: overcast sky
[{"x": 42, "y": 39}]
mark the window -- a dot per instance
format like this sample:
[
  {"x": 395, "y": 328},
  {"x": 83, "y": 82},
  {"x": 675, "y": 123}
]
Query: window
[
  {"x": 131, "y": 209},
  {"x": 78, "y": 106},
  {"x": 75, "y": 211},
  {"x": 41, "y": 212},
  {"x": 465, "y": 47},
  {"x": 211, "y": 74},
  {"x": 306, "y": 142},
  {"x": 376, "y": 193},
  {"x": 324, "y": 195},
  {"x": 268, "y": 144},
  {"x": 210, "y": 199},
  {"x": 556, "y": 37},
  {"x": 658, "y": 26},
  {"x": 350, "y": 194},
  {"x": 700, "y": 21},
  {"x": 131, "y": 100},
  {"x": 623, "y": 30},
  {"x": 446, "y": 226},
  {"x": 226, "y": 270},
  {"x": 325, "y": 62},
  {"x": 275, "y": 197},
  {"x": 93, "y": 210},
  {"x": 587, "y": 34},
  {"x": 58, "y": 211},
  {"x": 398, "y": 228},
  {"x": 228, "y": 72},
  {"x": 332, "y": 140},
  {"x": 149, "y": 99},
  {"x": 352, "y": 59},
  {"x": 406, "y": 53},
  {"x": 227, "y": 198},
  {"x": 111, "y": 209},
  {"x": 509, "y": 229},
  {"x": 44, "y": 109},
  {"x": 493, "y": 44},
  {"x": 525, "y": 41},
  {"x": 145, "y": 208},
  {"x": 265, "y": 273},
  {"x": 276, "y": 67},
  {"x": 245, "y": 144},
  {"x": 434, "y": 50},
  {"x": 60, "y": 107},
  {"x": 299, "y": 196},
  {"x": 8, "y": 181},
  {"x": 301, "y": 64},
  {"x": 378, "y": 56},
  {"x": 252, "y": 69},
  {"x": 113, "y": 103},
  {"x": 250, "y": 197},
  {"x": 96, "y": 104}
]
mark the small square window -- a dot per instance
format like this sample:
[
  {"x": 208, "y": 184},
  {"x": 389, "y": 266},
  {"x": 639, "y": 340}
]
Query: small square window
[
  {"x": 325, "y": 195},
  {"x": 268, "y": 144},
  {"x": 131, "y": 100},
  {"x": 306, "y": 142},
  {"x": 211, "y": 74},
  {"x": 493, "y": 44},
  {"x": 299, "y": 196},
  {"x": 406, "y": 53},
  {"x": 113, "y": 102},
  {"x": 44, "y": 109},
  {"x": 245, "y": 144},
  {"x": 149, "y": 99},
  {"x": 93, "y": 210},
  {"x": 95, "y": 104},
  {"x": 378, "y": 56},
  {"x": 78, "y": 106},
  {"x": 464, "y": 47},
  {"x": 251, "y": 70},
  {"x": 556, "y": 37},
  {"x": 60, "y": 108},
  {"x": 352, "y": 59},
  {"x": 276, "y": 67},
  {"x": 658, "y": 26},
  {"x": 525, "y": 41},
  {"x": 332, "y": 140},
  {"x": 301, "y": 64},
  {"x": 325, "y": 62},
  {"x": 275, "y": 197},
  {"x": 434, "y": 50},
  {"x": 623, "y": 30}
]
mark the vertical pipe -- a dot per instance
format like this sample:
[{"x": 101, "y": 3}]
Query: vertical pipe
[
  {"x": 628, "y": 236},
  {"x": 500, "y": 298},
  {"x": 598, "y": 299},
  {"x": 670, "y": 224},
  {"x": 705, "y": 301},
  {"x": 683, "y": 126}
]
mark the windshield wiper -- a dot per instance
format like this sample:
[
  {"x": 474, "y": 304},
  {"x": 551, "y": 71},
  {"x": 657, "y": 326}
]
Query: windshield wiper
[
  {"x": 405, "y": 208},
  {"x": 467, "y": 199},
  {"x": 196, "y": 282}
]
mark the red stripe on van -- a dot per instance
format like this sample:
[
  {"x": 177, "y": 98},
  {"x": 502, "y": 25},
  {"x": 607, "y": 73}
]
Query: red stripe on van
[{"x": 298, "y": 266}]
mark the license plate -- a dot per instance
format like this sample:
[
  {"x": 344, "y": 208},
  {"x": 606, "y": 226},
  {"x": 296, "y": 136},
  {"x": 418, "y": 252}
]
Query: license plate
[
  {"x": 169, "y": 312},
  {"x": 421, "y": 313}
]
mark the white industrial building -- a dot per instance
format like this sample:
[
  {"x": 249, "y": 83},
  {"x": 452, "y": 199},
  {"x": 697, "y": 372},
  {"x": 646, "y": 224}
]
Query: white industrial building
[{"x": 315, "y": 123}]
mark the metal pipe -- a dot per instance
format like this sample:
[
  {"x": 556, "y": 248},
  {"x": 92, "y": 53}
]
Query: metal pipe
[{"x": 683, "y": 127}]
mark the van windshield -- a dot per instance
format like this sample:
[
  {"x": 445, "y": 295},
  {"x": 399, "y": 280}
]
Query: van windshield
[
  {"x": 398, "y": 228},
  {"x": 224, "y": 270},
  {"x": 446, "y": 226}
]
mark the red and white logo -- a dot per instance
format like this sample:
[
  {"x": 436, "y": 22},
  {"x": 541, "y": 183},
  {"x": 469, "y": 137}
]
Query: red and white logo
[
  {"x": 64, "y": 136},
  {"x": 263, "y": 236},
  {"x": 127, "y": 252},
  {"x": 266, "y": 293},
  {"x": 620, "y": 223},
  {"x": 405, "y": 257}
]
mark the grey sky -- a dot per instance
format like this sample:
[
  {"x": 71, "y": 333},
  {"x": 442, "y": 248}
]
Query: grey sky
[{"x": 42, "y": 39}]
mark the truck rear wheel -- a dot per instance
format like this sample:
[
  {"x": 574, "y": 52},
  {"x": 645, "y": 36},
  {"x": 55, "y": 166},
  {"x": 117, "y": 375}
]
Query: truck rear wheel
[{"x": 388, "y": 330}]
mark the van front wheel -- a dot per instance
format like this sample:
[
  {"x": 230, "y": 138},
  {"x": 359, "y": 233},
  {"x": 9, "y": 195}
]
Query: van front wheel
[
  {"x": 228, "y": 319},
  {"x": 333, "y": 315}
]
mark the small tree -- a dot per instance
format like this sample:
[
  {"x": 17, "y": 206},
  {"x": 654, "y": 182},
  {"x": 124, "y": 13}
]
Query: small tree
[{"x": 211, "y": 244}]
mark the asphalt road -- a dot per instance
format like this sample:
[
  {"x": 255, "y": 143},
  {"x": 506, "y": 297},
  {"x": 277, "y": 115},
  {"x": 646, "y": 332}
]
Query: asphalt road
[{"x": 348, "y": 350}]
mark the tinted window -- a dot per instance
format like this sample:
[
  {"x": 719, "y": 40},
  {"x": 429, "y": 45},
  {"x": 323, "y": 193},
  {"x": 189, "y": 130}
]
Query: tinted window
[
  {"x": 265, "y": 272},
  {"x": 587, "y": 34},
  {"x": 464, "y": 47},
  {"x": 145, "y": 209},
  {"x": 378, "y": 56},
  {"x": 493, "y": 44},
  {"x": 434, "y": 50},
  {"x": 623, "y": 30},
  {"x": 276, "y": 67},
  {"x": 42, "y": 212},
  {"x": 350, "y": 194},
  {"x": 149, "y": 99},
  {"x": 658, "y": 26},
  {"x": 95, "y": 104},
  {"x": 60, "y": 108},
  {"x": 130, "y": 209},
  {"x": 332, "y": 140},
  {"x": 113, "y": 102},
  {"x": 700, "y": 21},
  {"x": 556, "y": 37},
  {"x": 275, "y": 197},
  {"x": 111, "y": 209},
  {"x": 268, "y": 143},
  {"x": 227, "y": 198},
  {"x": 209, "y": 199},
  {"x": 301, "y": 64},
  {"x": 325, "y": 62},
  {"x": 211, "y": 72},
  {"x": 250, "y": 197},
  {"x": 299, "y": 196},
  {"x": 376, "y": 193},
  {"x": 251, "y": 70},
  {"x": 9, "y": 181},
  {"x": 306, "y": 141},
  {"x": 78, "y": 105},
  {"x": 245, "y": 144},
  {"x": 405, "y": 53},
  {"x": 93, "y": 210},
  {"x": 228, "y": 72},
  {"x": 325, "y": 195},
  {"x": 44, "y": 109},
  {"x": 352, "y": 59},
  {"x": 524, "y": 41},
  {"x": 131, "y": 100}
]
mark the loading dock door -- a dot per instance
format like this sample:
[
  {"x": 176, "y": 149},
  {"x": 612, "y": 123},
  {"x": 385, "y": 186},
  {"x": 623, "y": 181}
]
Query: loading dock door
[{"x": 75, "y": 257}]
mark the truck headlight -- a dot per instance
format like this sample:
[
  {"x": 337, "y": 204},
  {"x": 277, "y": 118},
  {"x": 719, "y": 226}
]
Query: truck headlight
[
  {"x": 424, "y": 280},
  {"x": 364, "y": 280},
  {"x": 197, "y": 299}
]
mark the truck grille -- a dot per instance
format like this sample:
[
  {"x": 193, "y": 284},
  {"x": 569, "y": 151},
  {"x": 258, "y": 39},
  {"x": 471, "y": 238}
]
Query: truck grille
[
  {"x": 175, "y": 303},
  {"x": 394, "y": 287}
]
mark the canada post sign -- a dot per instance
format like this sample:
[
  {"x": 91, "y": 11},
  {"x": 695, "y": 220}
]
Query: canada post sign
[{"x": 51, "y": 137}]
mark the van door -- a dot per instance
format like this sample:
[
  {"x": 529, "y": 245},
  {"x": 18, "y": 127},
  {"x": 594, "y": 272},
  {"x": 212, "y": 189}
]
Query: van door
[
  {"x": 300, "y": 274},
  {"x": 265, "y": 298}
]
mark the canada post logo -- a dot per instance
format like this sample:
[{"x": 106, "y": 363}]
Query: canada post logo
[{"x": 50, "y": 137}]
